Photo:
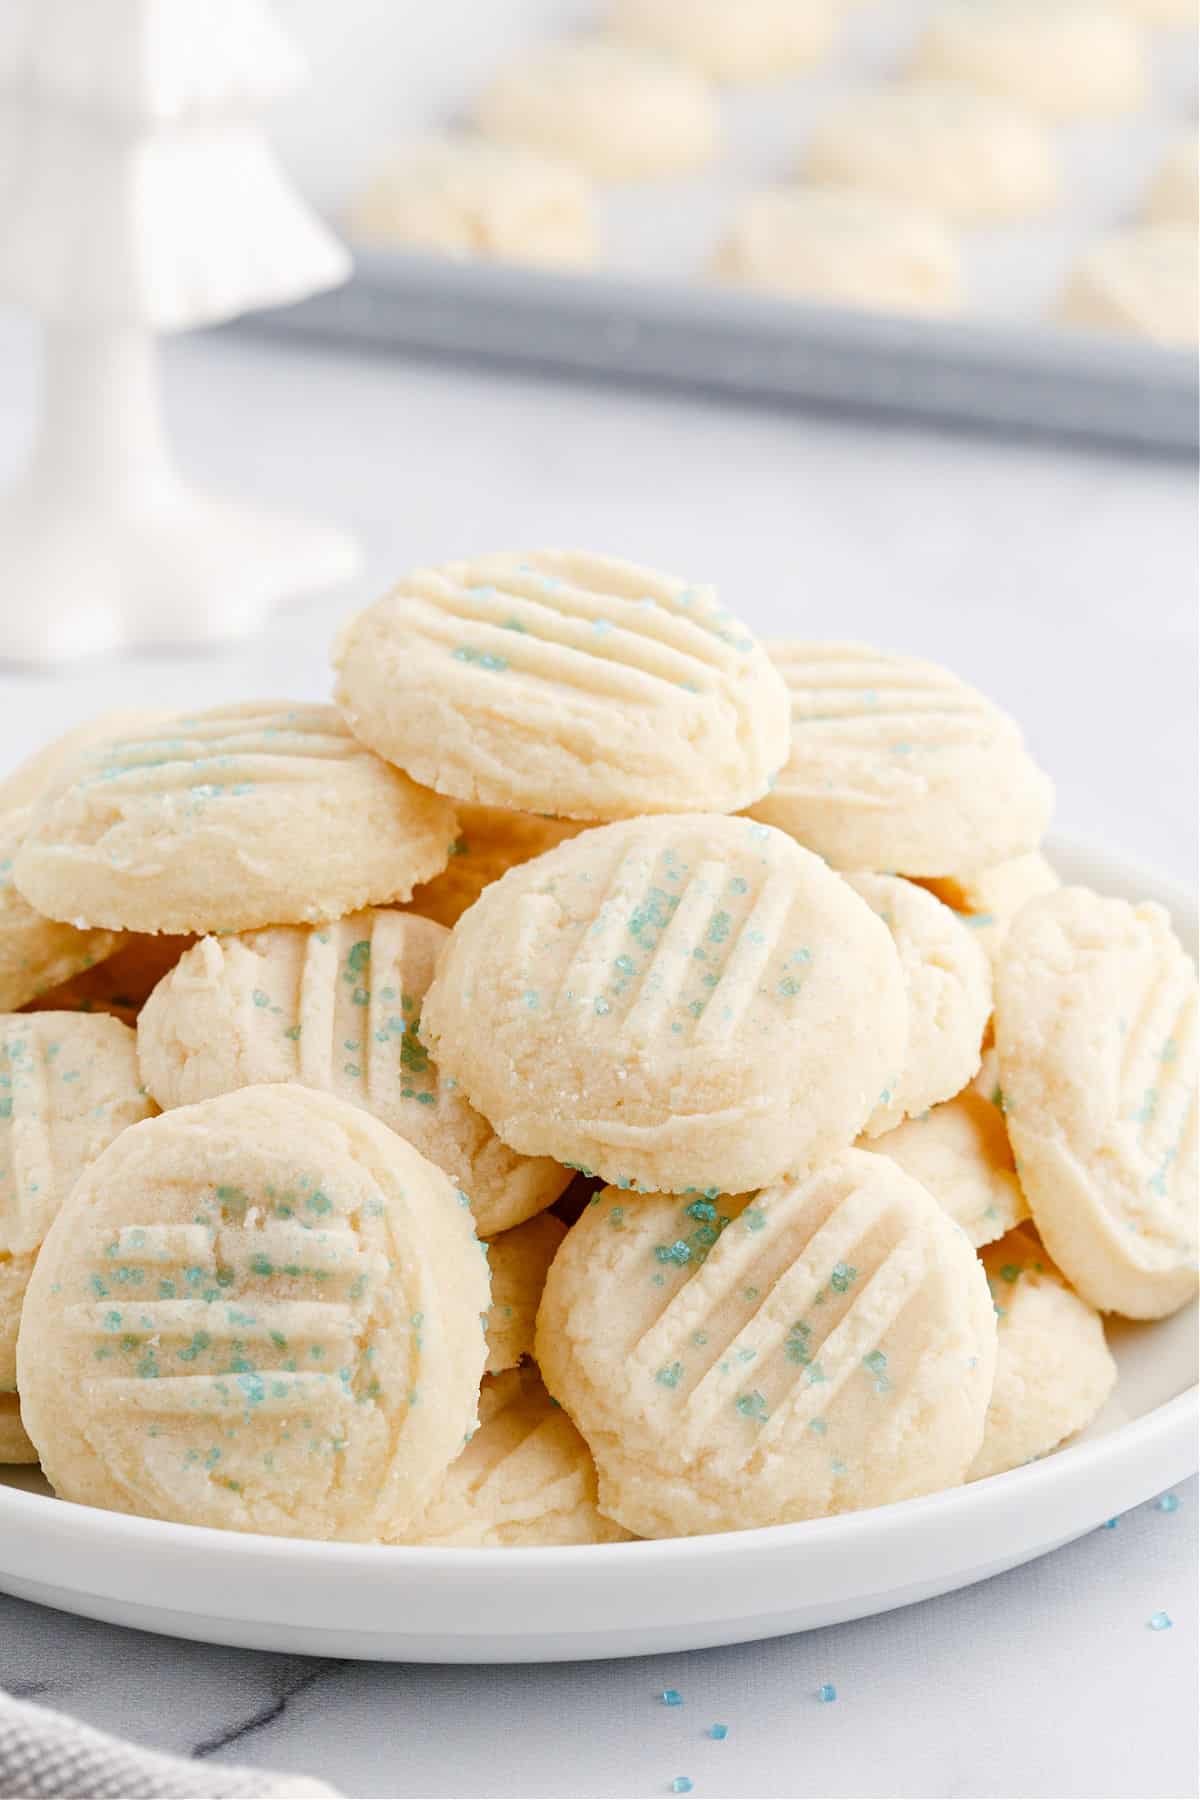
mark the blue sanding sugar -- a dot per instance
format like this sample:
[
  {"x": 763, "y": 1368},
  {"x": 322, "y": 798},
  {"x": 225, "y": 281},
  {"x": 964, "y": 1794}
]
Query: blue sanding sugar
[
  {"x": 671, "y": 1697},
  {"x": 682, "y": 1784},
  {"x": 1168, "y": 1503},
  {"x": 719, "y": 1732},
  {"x": 1160, "y": 1621},
  {"x": 826, "y": 1692}
]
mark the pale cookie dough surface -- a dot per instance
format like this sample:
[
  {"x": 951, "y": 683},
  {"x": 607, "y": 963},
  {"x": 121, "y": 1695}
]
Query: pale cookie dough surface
[
  {"x": 37, "y": 954},
  {"x": 15, "y": 1445},
  {"x": 30, "y": 779},
  {"x": 525, "y": 1478},
  {"x": 465, "y": 197},
  {"x": 519, "y": 1260},
  {"x": 621, "y": 113},
  {"x": 262, "y": 1313},
  {"x": 1172, "y": 14},
  {"x": 960, "y": 1153},
  {"x": 335, "y": 1007},
  {"x": 255, "y": 813},
  {"x": 562, "y": 682},
  {"x": 1142, "y": 282},
  {"x": 68, "y": 1087},
  {"x": 821, "y": 1347},
  {"x": 967, "y": 155},
  {"x": 1054, "y": 1370},
  {"x": 1096, "y": 1034},
  {"x": 672, "y": 1003},
  {"x": 949, "y": 986},
  {"x": 989, "y": 901},
  {"x": 843, "y": 247},
  {"x": 122, "y": 983},
  {"x": 1064, "y": 58},
  {"x": 753, "y": 40},
  {"x": 897, "y": 764},
  {"x": 1174, "y": 191},
  {"x": 490, "y": 841}
]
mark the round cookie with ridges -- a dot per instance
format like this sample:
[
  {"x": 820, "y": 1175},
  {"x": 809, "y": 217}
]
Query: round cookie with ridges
[
  {"x": 621, "y": 113},
  {"x": 519, "y": 1261},
  {"x": 1054, "y": 1370},
  {"x": 1063, "y": 58},
  {"x": 1096, "y": 1037},
  {"x": 122, "y": 983},
  {"x": 949, "y": 986},
  {"x": 960, "y": 1153},
  {"x": 526, "y": 1477},
  {"x": 989, "y": 901},
  {"x": 843, "y": 246},
  {"x": 261, "y": 1313},
  {"x": 967, "y": 155},
  {"x": 1141, "y": 282},
  {"x": 30, "y": 779},
  {"x": 672, "y": 1003},
  {"x": 897, "y": 764},
  {"x": 463, "y": 197},
  {"x": 257, "y": 813},
  {"x": 563, "y": 682},
  {"x": 490, "y": 841},
  {"x": 68, "y": 1087},
  {"x": 756, "y": 40},
  {"x": 335, "y": 1007},
  {"x": 37, "y": 954},
  {"x": 819, "y": 1347}
]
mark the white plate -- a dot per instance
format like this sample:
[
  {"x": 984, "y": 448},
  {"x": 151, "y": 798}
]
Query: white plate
[{"x": 418, "y": 1605}]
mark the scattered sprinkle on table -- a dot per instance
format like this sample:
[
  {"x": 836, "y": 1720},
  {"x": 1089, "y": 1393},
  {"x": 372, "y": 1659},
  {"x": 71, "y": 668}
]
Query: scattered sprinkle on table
[
  {"x": 671, "y": 1697},
  {"x": 1109, "y": 1525},
  {"x": 719, "y": 1732},
  {"x": 826, "y": 1692},
  {"x": 682, "y": 1784},
  {"x": 1160, "y": 1621},
  {"x": 1167, "y": 1503}
]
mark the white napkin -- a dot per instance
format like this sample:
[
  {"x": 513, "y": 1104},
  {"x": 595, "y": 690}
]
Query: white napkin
[{"x": 45, "y": 1756}]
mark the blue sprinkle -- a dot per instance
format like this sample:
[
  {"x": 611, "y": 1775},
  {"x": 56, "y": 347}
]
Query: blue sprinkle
[
  {"x": 1109, "y": 1525},
  {"x": 1168, "y": 1503},
  {"x": 719, "y": 1732},
  {"x": 671, "y": 1697},
  {"x": 1160, "y": 1621},
  {"x": 826, "y": 1692},
  {"x": 682, "y": 1784}
]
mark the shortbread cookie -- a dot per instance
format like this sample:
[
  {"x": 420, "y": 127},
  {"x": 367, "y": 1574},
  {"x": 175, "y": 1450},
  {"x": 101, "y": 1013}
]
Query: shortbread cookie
[
  {"x": 525, "y": 1478},
  {"x": 490, "y": 840},
  {"x": 960, "y": 1153},
  {"x": 1054, "y": 1370},
  {"x": 336, "y": 1007},
  {"x": 15, "y": 1444},
  {"x": 821, "y": 1346},
  {"x": 897, "y": 764},
  {"x": 518, "y": 1260},
  {"x": 261, "y": 1313},
  {"x": 36, "y": 953},
  {"x": 564, "y": 683},
  {"x": 251, "y": 814},
  {"x": 949, "y": 986},
  {"x": 1063, "y": 58},
  {"x": 68, "y": 1087},
  {"x": 1096, "y": 1034},
  {"x": 621, "y": 113},
  {"x": 465, "y": 197},
  {"x": 754, "y": 40},
  {"x": 1174, "y": 192},
  {"x": 987, "y": 1083},
  {"x": 1141, "y": 282},
  {"x": 989, "y": 901},
  {"x": 29, "y": 781},
  {"x": 122, "y": 983},
  {"x": 672, "y": 1003},
  {"x": 843, "y": 247},
  {"x": 968, "y": 155}
]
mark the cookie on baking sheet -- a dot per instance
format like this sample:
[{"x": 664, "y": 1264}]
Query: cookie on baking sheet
[
  {"x": 526, "y": 1477},
  {"x": 490, "y": 841},
  {"x": 566, "y": 683},
  {"x": 990, "y": 900},
  {"x": 518, "y": 1260},
  {"x": 754, "y": 40},
  {"x": 68, "y": 1087},
  {"x": 1054, "y": 1370},
  {"x": 1174, "y": 190},
  {"x": 960, "y": 1154},
  {"x": 817, "y": 1347},
  {"x": 897, "y": 764},
  {"x": 672, "y": 1003},
  {"x": 261, "y": 1313},
  {"x": 37, "y": 954},
  {"x": 1096, "y": 1036},
  {"x": 255, "y": 813},
  {"x": 336, "y": 1007},
  {"x": 122, "y": 983},
  {"x": 967, "y": 155},
  {"x": 949, "y": 987},
  {"x": 843, "y": 247},
  {"x": 464, "y": 197},
  {"x": 1141, "y": 282},
  {"x": 1064, "y": 58},
  {"x": 621, "y": 113}
]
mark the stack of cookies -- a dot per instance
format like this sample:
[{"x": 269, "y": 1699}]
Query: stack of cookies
[{"x": 601, "y": 1077}]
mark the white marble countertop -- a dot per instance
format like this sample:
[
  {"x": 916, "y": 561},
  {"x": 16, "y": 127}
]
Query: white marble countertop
[{"x": 1065, "y": 585}]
